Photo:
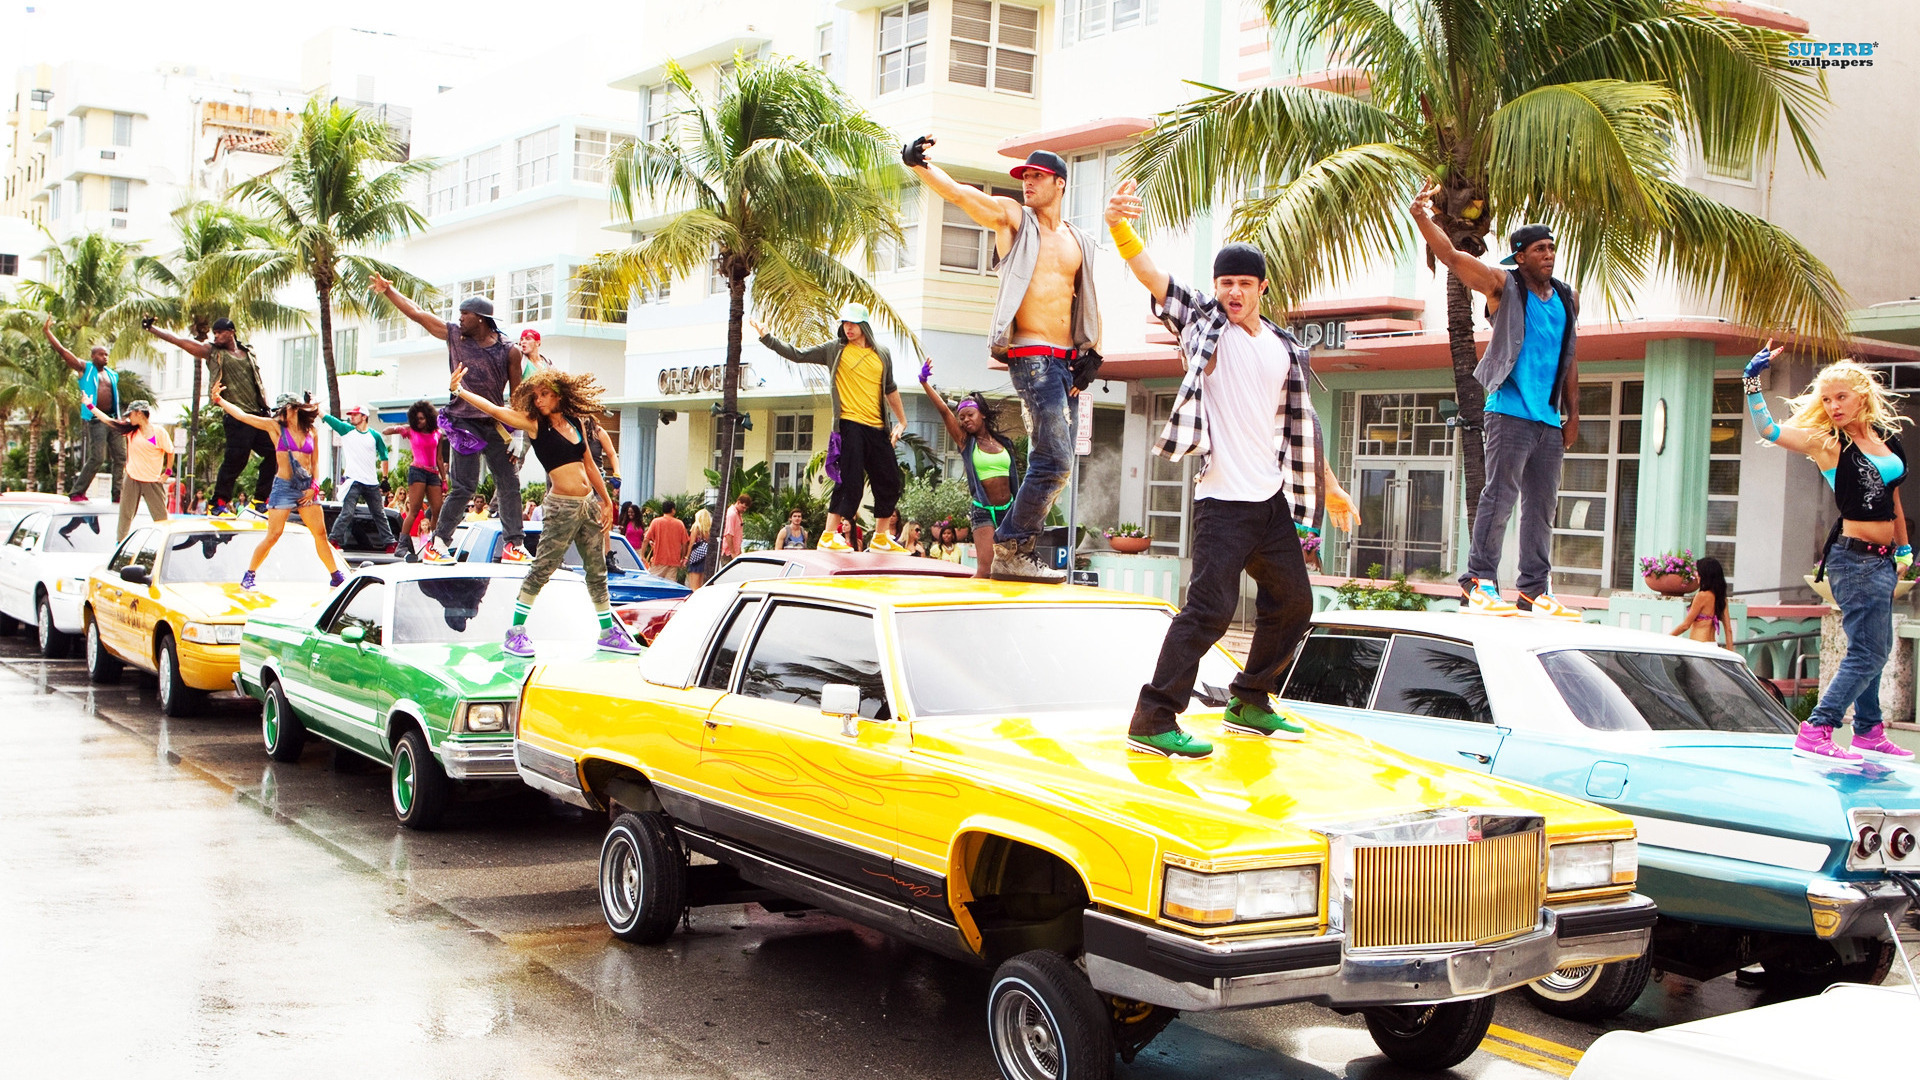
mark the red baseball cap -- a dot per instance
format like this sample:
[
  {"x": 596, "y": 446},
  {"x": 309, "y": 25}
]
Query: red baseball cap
[
  {"x": 529, "y": 332},
  {"x": 1045, "y": 160}
]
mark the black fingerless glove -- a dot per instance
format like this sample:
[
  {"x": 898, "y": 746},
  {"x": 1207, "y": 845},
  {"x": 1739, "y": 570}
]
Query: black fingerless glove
[{"x": 915, "y": 152}]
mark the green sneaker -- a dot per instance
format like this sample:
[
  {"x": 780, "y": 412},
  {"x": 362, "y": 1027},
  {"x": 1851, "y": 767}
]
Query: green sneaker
[
  {"x": 1250, "y": 719},
  {"x": 1175, "y": 743}
]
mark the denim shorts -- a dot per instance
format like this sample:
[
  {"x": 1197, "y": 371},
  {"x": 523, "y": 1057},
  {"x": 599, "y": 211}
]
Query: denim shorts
[
  {"x": 980, "y": 515},
  {"x": 286, "y": 495},
  {"x": 418, "y": 475}
]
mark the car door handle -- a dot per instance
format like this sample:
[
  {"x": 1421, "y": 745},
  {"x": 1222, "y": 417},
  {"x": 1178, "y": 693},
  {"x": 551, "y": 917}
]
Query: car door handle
[
  {"x": 1484, "y": 759},
  {"x": 315, "y": 658},
  {"x": 713, "y": 722}
]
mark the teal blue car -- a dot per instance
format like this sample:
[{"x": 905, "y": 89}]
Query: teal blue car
[
  {"x": 1755, "y": 854},
  {"x": 403, "y": 665}
]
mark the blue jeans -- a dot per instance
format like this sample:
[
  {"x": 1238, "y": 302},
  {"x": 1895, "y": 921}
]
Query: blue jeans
[
  {"x": 1042, "y": 383},
  {"x": 1863, "y": 587}
]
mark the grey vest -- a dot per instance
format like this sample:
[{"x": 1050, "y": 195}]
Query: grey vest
[
  {"x": 1510, "y": 330},
  {"x": 1016, "y": 273}
]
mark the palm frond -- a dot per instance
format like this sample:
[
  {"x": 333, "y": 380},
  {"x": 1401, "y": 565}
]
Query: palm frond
[{"x": 1593, "y": 147}]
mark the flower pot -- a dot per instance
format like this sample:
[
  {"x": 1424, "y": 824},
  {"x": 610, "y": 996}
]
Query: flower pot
[
  {"x": 1129, "y": 545},
  {"x": 1671, "y": 584},
  {"x": 1824, "y": 589}
]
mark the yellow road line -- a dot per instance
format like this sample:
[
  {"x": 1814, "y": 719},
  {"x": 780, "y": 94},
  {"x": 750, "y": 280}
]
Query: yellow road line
[
  {"x": 1526, "y": 1057},
  {"x": 1534, "y": 1042}
]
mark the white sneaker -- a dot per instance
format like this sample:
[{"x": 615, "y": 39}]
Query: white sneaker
[
  {"x": 1484, "y": 599},
  {"x": 1024, "y": 567}
]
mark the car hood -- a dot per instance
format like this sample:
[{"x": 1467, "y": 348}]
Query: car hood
[
  {"x": 1251, "y": 795},
  {"x": 228, "y": 602},
  {"x": 47, "y": 565},
  {"x": 488, "y": 671}
]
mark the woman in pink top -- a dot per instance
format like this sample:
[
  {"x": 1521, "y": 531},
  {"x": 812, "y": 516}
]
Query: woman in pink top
[
  {"x": 630, "y": 525},
  {"x": 149, "y": 463},
  {"x": 427, "y": 476}
]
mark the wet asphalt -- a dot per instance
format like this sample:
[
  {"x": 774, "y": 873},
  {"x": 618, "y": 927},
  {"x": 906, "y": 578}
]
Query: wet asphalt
[{"x": 172, "y": 903}]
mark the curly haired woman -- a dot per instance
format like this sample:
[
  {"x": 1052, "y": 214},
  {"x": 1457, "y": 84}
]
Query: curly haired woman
[
  {"x": 554, "y": 406},
  {"x": 1846, "y": 422}
]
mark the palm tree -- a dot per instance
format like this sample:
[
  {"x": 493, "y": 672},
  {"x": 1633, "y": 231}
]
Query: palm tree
[
  {"x": 1575, "y": 113},
  {"x": 198, "y": 282},
  {"x": 337, "y": 190},
  {"x": 781, "y": 177},
  {"x": 34, "y": 380}
]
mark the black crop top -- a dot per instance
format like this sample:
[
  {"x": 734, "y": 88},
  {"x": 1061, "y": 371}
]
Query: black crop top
[
  {"x": 554, "y": 449},
  {"x": 1858, "y": 488}
]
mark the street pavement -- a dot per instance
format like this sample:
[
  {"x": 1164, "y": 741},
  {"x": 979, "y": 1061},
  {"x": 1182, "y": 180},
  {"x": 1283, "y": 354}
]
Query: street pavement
[{"x": 174, "y": 903}]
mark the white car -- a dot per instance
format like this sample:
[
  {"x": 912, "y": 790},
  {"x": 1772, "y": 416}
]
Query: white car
[
  {"x": 44, "y": 566},
  {"x": 1849, "y": 1031}
]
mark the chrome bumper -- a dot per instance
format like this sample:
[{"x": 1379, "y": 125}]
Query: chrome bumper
[
  {"x": 1843, "y": 909},
  {"x": 492, "y": 760},
  {"x": 552, "y": 774},
  {"x": 1146, "y": 963}
]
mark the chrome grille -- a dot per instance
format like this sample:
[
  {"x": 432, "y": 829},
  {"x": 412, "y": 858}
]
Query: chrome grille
[{"x": 1431, "y": 894}]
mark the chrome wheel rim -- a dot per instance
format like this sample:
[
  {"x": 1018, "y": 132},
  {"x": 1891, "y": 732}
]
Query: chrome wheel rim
[
  {"x": 270, "y": 721},
  {"x": 166, "y": 677},
  {"x": 620, "y": 881},
  {"x": 44, "y": 624},
  {"x": 93, "y": 646},
  {"x": 1025, "y": 1036},
  {"x": 403, "y": 779},
  {"x": 1568, "y": 983}
]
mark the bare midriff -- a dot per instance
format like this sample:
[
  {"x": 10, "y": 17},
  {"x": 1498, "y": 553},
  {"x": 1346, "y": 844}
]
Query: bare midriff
[
  {"x": 1873, "y": 532},
  {"x": 1046, "y": 312}
]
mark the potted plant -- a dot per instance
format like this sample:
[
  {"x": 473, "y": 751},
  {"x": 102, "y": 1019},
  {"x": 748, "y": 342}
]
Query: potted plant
[
  {"x": 1824, "y": 588},
  {"x": 1670, "y": 574},
  {"x": 1128, "y": 539}
]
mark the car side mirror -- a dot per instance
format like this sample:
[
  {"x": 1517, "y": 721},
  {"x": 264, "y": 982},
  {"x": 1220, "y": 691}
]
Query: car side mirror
[
  {"x": 353, "y": 635},
  {"x": 842, "y": 700},
  {"x": 135, "y": 574}
]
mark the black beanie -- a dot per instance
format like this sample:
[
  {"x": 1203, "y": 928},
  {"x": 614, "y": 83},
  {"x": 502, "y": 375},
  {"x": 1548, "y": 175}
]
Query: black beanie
[{"x": 1237, "y": 260}]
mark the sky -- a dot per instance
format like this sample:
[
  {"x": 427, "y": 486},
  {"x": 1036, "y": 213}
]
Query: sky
[{"x": 263, "y": 38}]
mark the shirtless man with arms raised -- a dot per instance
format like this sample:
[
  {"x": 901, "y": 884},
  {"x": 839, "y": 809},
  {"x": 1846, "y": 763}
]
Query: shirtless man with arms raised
[{"x": 1045, "y": 318}]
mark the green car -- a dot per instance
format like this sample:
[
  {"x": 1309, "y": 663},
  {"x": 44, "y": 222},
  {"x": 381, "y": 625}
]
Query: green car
[{"x": 403, "y": 664}]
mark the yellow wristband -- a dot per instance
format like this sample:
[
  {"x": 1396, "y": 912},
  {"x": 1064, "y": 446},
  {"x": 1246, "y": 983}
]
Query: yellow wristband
[{"x": 1125, "y": 239}]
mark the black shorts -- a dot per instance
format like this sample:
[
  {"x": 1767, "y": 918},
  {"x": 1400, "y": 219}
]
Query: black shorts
[{"x": 418, "y": 475}]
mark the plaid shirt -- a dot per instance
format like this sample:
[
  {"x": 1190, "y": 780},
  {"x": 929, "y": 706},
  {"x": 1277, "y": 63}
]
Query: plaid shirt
[{"x": 1198, "y": 320}]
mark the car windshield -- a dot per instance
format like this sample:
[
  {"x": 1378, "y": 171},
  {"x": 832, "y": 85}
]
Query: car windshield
[
  {"x": 1019, "y": 661},
  {"x": 221, "y": 556},
  {"x": 477, "y": 610},
  {"x": 87, "y": 534},
  {"x": 1654, "y": 691},
  {"x": 620, "y": 556}
]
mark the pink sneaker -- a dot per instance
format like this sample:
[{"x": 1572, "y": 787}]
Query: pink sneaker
[
  {"x": 1876, "y": 742},
  {"x": 1817, "y": 741}
]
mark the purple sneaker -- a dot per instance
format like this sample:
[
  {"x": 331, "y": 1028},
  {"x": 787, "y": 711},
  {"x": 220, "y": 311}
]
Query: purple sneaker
[
  {"x": 1876, "y": 742},
  {"x": 246, "y": 580},
  {"x": 615, "y": 639},
  {"x": 518, "y": 643},
  {"x": 336, "y": 579},
  {"x": 1817, "y": 741}
]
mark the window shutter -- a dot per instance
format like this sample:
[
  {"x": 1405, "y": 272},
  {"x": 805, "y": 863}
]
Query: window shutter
[
  {"x": 972, "y": 43},
  {"x": 1019, "y": 38}
]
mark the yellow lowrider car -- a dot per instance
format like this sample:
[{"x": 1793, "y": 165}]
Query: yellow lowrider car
[
  {"x": 169, "y": 602},
  {"x": 946, "y": 761}
]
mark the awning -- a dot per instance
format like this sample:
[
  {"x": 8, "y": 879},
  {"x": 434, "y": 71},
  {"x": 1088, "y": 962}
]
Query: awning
[{"x": 1110, "y": 129}]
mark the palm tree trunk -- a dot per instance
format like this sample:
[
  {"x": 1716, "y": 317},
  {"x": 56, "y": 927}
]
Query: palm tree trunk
[
  {"x": 729, "y": 403},
  {"x": 33, "y": 452},
  {"x": 60, "y": 455},
  {"x": 1468, "y": 394},
  {"x": 326, "y": 347}
]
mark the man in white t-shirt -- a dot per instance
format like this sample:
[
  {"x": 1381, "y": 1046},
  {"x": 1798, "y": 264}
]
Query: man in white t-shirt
[
  {"x": 363, "y": 460},
  {"x": 1259, "y": 485}
]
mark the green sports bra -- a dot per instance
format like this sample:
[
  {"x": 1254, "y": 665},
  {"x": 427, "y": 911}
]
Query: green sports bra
[{"x": 992, "y": 466}]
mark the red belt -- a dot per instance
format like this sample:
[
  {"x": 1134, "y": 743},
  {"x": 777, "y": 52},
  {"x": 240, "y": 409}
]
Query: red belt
[{"x": 1043, "y": 350}]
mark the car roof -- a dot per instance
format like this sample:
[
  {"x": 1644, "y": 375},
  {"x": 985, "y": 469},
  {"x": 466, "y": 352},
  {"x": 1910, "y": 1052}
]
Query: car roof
[
  {"x": 403, "y": 571},
  {"x": 196, "y": 523},
  {"x": 927, "y": 591},
  {"x": 1521, "y": 632},
  {"x": 816, "y": 563}
]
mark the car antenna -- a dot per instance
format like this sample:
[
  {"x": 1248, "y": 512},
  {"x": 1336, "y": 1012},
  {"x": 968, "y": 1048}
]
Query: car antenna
[{"x": 1901, "y": 950}]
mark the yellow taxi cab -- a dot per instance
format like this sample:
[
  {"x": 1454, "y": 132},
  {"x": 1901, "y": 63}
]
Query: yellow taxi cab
[
  {"x": 946, "y": 761},
  {"x": 169, "y": 602}
]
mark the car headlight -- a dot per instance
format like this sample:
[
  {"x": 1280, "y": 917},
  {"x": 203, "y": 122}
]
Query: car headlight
[
  {"x": 74, "y": 586},
  {"x": 485, "y": 716},
  {"x": 1249, "y": 896},
  {"x": 1592, "y": 866},
  {"x": 211, "y": 633}
]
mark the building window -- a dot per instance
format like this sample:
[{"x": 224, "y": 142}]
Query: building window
[
  {"x": 590, "y": 156},
  {"x": 1169, "y": 489},
  {"x": 716, "y": 275},
  {"x": 481, "y": 177},
  {"x": 122, "y": 129},
  {"x": 994, "y": 46},
  {"x": 823, "y": 47},
  {"x": 660, "y": 110},
  {"x": 532, "y": 294},
  {"x": 964, "y": 245},
  {"x": 1594, "y": 524},
  {"x": 1089, "y": 177},
  {"x": 1084, "y": 19},
  {"x": 390, "y": 327},
  {"x": 584, "y": 303},
  {"x": 1723, "y": 472},
  {"x": 9, "y": 266},
  {"x": 903, "y": 46},
  {"x": 891, "y": 256},
  {"x": 739, "y": 449},
  {"x": 792, "y": 449},
  {"x": 346, "y": 351},
  {"x": 53, "y": 202},
  {"x": 59, "y": 139},
  {"x": 452, "y": 295},
  {"x": 119, "y": 195},
  {"x": 299, "y": 364},
  {"x": 443, "y": 190},
  {"x": 534, "y": 158}
]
